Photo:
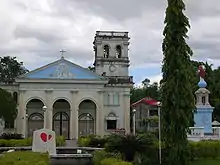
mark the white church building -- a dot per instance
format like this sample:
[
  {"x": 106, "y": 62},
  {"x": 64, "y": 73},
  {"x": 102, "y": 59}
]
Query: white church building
[{"x": 78, "y": 101}]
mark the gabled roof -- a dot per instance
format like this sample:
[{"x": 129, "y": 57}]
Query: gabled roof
[
  {"x": 146, "y": 100},
  {"x": 62, "y": 69}
]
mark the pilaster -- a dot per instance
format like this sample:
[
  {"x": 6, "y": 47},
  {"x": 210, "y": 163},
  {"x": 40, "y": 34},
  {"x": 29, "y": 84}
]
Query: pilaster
[
  {"x": 21, "y": 117},
  {"x": 101, "y": 115},
  {"x": 49, "y": 110},
  {"x": 74, "y": 116},
  {"x": 127, "y": 111}
]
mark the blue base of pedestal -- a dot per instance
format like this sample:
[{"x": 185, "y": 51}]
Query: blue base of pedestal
[{"x": 203, "y": 118}]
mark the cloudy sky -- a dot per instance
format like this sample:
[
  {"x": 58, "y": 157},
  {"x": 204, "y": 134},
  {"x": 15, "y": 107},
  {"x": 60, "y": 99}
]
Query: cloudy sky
[{"x": 35, "y": 30}]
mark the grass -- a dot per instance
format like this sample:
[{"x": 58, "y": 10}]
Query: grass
[
  {"x": 24, "y": 158},
  {"x": 206, "y": 162}
]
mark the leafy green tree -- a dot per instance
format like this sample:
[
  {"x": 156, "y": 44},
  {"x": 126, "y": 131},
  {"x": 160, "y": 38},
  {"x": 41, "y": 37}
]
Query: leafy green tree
[
  {"x": 137, "y": 93},
  {"x": 10, "y": 68},
  {"x": 8, "y": 106},
  {"x": 150, "y": 90},
  {"x": 153, "y": 91},
  {"x": 215, "y": 93},
  {"x": 177, "y": 91}
]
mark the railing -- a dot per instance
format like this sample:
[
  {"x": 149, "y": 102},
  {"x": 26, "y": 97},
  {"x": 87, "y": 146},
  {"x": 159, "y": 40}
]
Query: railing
[
  {"x": 111, "y": 33},
  {"x": 118, "y": 131},
  {"x": 120, "y": 80},
  {"x": 196, "y": 132}
]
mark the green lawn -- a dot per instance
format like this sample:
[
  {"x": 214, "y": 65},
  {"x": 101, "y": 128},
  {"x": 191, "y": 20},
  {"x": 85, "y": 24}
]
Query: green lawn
[{"x": 206, "y": 162}]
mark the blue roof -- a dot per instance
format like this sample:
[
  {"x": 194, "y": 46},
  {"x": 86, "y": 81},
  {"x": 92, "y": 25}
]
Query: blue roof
[{"x": 62, "y": 69}]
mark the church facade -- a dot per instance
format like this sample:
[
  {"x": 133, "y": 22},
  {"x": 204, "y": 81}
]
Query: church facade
[{"x": 78, "y": 101}]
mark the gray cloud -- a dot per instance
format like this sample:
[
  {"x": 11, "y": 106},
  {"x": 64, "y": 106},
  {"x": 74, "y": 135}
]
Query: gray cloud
[{"x": 39, "y": 29}]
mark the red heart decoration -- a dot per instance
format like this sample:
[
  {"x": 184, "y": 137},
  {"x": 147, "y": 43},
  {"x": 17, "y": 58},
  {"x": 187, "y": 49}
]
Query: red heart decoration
[
  {"x": 49, "y": 137},
  {"x": 43, "y": 137}
]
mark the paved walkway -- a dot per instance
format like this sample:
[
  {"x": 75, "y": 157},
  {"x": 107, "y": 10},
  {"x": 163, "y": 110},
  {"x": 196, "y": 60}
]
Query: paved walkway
[{"x": 71, "y": 143}]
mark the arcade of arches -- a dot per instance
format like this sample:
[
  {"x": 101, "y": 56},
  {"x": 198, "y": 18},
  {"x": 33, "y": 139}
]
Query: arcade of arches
[{"x": 61, "y": 119}]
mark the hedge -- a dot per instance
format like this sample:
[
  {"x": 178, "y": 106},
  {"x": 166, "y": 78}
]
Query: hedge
[
  {"x": 205, "y": 149},
  {"x": 24, "y": 158},
  {"x": 60, "y": 141}
]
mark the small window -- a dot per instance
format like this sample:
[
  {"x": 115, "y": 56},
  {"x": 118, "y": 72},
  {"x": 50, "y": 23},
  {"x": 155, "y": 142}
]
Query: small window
[
  {"x": 116, "y": 99},
  {"x": 106, "y": 51},
  {"x": 107, "y": 99},
  {"x": 203, "y": 100},
  {"x": 111, "y": 124},
  {"x": 118, "y": 51}
]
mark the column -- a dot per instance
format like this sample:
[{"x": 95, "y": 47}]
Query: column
[
  {"x": 49, "y": 111},
  {"x": 101, "y": 121},
  {"x": 127, "y": 112},
  {"x": 97, "y": 123},
  {"x": 74, "y": 116},
  {"x": 21, "y": 117}
]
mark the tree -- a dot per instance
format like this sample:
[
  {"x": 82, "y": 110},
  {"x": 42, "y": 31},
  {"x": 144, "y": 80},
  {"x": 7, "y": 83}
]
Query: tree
[
  {"x": 153, "y": 91},
  {"x": 150, "y": 90},
  {"x": 10, "y": 68},
  {"x": 177, "y": 90},
  {"x": 8, "y": 106}
]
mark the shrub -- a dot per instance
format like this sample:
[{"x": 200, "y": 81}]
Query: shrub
[
  {"x": 114, "y": 161},
  {"x": 60, "y": 140},
  {"x": 92, "y": 141},
  {"x": 101, "y": 155},
  {"x": 84, "y": 141},
  {"x": 109, "y": 161},
  {"x": 11, "y": 136},
  {"x": 97, "y": 142},
  {"x": 129, "y": 145},
  {"x": 24, "y": 158}
]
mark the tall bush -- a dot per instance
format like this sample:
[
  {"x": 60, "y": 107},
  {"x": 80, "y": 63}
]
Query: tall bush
[{"x": 129, "y": 145}]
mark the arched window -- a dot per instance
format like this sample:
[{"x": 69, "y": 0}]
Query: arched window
[
  {"x": 106, "y": 51},
  {"x": 118, "y": 51}
]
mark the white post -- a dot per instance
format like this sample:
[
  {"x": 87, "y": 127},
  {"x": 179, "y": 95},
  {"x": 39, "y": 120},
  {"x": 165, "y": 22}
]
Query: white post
[
  {"x": 87, "y": 125},
  {"x": 26, "y": 120},
  {"x": 134, "y": 121},
  {"x": 45, "y": 116},
  {"x": 159, "y": 125}
]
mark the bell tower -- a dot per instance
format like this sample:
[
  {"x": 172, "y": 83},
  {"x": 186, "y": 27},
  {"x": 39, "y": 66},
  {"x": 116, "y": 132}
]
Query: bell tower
[{"x": 111, "y": 54}]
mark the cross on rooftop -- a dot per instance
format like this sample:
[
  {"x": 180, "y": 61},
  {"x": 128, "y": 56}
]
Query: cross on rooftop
[{"x": 62, "y": 52}]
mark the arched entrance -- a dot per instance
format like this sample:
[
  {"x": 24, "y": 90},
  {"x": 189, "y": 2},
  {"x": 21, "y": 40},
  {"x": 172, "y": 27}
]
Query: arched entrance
[
  {"x": 34, "y": 116},
  {"x": 61, "y": 118},
  {"x": 87, "y": 118}
]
